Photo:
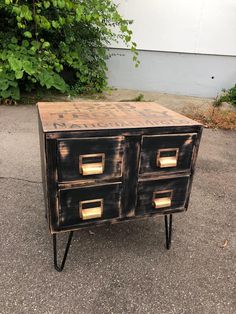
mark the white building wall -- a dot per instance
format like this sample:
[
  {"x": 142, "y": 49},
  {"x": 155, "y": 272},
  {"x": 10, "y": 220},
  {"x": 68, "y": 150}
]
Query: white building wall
[
  {"x": 205, "y": 27},
  {"x": 192, "y": 26}
]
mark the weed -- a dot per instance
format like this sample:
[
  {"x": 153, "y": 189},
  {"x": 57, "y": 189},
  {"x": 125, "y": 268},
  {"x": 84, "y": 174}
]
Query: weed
[
  {"x": 228, "y": 96},
  {"x": 216, "y": 118}
]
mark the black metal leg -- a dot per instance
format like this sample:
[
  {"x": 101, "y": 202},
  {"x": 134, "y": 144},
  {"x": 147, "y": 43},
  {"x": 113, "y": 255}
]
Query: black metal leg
[
  {"x": 60, "y": 268},
  {"x": 168, "y": 230}
]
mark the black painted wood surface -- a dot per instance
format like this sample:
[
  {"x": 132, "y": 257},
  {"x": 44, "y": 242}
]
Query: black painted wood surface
[
  {"x": 69, "y": 200},
  {"x": 130, "y": 175},
  {"x": 70, "y": 150},
  {"x": 147, "y": 188},
  {"x": 151, "y": 144}
]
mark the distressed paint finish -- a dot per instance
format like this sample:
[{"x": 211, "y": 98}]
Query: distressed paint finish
[
  {"x": 183, "y": 143},
  {"x": 69, "y": 200},
  {"x": 128, "y": 135},
  {"x": 176, "y": 187},
  {"x": 130, "y": 180},
  {"x": 70, "y": 150}
]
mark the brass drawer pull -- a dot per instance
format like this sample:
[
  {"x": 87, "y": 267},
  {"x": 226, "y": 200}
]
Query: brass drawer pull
[
  {"x": 91, "y": 209},
  {"x": 162, "y": 199},
  {"x": 167, "y": 157},
  {"x": 91, "y": 164}
]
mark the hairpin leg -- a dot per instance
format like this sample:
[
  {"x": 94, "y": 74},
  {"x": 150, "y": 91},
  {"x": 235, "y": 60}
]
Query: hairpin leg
[
  {"x": 168, "y": 230},
  {"x": 60, "y": 268}
]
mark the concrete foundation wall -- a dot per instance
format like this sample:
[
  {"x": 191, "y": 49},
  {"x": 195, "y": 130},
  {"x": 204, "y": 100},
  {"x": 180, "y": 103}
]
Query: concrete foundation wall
[{"x": 177, "y": 73}]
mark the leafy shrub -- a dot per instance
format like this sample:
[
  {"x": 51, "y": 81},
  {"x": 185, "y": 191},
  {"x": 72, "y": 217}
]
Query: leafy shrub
[
  {"x": 228, "y": 96},
  {"x": 57, "y": 44}
]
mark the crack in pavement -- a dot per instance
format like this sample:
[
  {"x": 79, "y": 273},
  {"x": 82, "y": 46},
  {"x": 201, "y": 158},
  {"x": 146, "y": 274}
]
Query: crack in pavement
[{"x": 20, "y": 179}]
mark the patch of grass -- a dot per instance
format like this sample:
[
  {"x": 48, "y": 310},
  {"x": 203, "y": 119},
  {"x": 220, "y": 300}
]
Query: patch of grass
[
  {"x": 138, "y": 98},
  {"x": 215, "y": 118}
]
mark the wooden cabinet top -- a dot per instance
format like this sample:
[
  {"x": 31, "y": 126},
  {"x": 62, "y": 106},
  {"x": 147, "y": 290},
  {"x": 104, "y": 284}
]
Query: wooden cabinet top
[{"x": 74, "y": 116}]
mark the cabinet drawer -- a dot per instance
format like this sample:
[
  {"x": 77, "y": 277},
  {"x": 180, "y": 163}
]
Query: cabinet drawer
[
  {"x": 160, "y": 195},
  {"x": 89, "y": 204},
  {"x": 166, "y": 153},
  {"x": 90, "y": 158}
]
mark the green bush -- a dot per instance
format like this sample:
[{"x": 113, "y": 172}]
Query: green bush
[
  {"x": 228, "y": 96},
  {"x": 57, "y": 44}
]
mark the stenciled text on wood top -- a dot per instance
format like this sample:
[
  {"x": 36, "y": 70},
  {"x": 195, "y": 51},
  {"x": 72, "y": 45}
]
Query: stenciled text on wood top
[{"x": 63, "y": 116}]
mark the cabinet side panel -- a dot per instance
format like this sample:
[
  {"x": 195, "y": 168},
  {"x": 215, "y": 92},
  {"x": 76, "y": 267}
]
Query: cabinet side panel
[
  {"x": 43, "y": 163},
  {"x": 51, "y": 173},
  {"x": 194, "y": 158}
]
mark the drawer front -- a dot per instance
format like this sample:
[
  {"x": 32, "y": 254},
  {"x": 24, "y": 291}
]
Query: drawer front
[
  {"x": 161, "y": 195},
  {"x": 166, "y": 153},
  {"x": 90, "y": 158},
  {"x": 89, "y": 204}
]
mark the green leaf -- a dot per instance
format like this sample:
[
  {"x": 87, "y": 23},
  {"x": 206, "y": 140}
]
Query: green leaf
[
  {"x": 28, "y": 34},
  {"x": 16, "y": 64},
  {"x": 11, "y": 92},
  {"x": 46, "y": 4},
  {"x": 26, "y": 12},
  {"x": 59, "y": 83},
  {"x": 45, "y": 45},
  {"x": 58, "y": 67},
  {"x": 61, "y": 20},
  {"x": 15, "y": 93},
  {"x": 20, "y": 25},
  {"x": 35, "y": 44},
  {"x": 19, "y": 74},
  {"x": 124, "y": 28},
  {"x": 25, "y": 43},
  {"x": 69, "y": 5},
  {"x": 55, "y": 24},
  {"x": 46, "y": 79},
  {"x": 5, "y": 93},
  {"x": 4, "y": 84},
  {"x": 61, "y": 4},
  {"x": 14, "y": 40},
  {"x": 13, "y": 83},
  {"x": 3, "y": 55},
  {"x": 79, "y": 12},
  {"x": 44, "y": 23},
  {"x": 28, "y": 67},
  {"x": 127, "y": 38}
]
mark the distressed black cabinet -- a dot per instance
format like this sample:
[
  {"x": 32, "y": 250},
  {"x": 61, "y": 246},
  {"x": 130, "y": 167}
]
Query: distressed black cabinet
[{"x": 109, "y": 161}]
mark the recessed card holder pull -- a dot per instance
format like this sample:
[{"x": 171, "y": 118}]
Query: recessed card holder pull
[
  {"x": 167, "y": 157},
  {"x": 91, "y": 164},
  {"x": 162, "y": 199},
  {"x": 91, "y": 209}
]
